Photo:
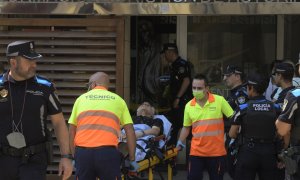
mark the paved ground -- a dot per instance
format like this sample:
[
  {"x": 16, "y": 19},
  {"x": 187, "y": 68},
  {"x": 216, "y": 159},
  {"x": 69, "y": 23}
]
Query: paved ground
[{"x": 181, "y": 175}]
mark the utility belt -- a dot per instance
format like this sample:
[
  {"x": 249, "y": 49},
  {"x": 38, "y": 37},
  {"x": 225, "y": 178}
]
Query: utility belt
[
  {"x": 25, "y": 152},
  {"x": 291, "y": 159},
  {"x": 258, "y": 140}
]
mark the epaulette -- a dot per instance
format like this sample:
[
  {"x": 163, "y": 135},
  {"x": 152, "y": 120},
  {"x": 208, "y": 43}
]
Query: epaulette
[
  {"x": 42, "y": 80},
  {"x": 1, "y": 79},
  {"x": 243, "y": 106},
  {"x": 296, "y": 92}
]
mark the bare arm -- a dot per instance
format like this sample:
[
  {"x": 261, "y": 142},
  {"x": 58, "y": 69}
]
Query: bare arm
[
  {"x": 72, "y": 132},
  {"x": 183, "y": 88},
  {"x": 61, "y": 132},
  {"x": 185, "y": 84},
  {"x": 283, "y": 128},
  {"x": 185, "y": 131},
  {"x": 233, "y": 132},
  {"x": 153, "y": 131},
  {"x": 131, "y": 140}
]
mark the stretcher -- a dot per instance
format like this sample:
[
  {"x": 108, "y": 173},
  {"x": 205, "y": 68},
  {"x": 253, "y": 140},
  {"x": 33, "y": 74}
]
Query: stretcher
[
  {"x": 167, "y": 156},
  {"x": 150, "y": 163}
]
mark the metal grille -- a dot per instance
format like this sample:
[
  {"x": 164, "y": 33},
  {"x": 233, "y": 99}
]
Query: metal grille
[{"x": 73, "y": 49}]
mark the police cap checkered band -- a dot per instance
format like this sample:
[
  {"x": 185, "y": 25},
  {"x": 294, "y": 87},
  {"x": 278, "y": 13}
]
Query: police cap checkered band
[
  {"x": 284, "y": 67},
  {"x": 22, "y": 48},
  {"x": 169, "y": 46},
  {"x": 233, "y": 69}
]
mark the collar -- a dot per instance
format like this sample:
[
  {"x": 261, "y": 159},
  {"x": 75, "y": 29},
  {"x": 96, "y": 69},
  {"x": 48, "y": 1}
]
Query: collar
[
  {"x": 286, "y": 90},
  {"x": 176, "y": 60},
  {"x": 6, "y": 78},
  {"x": 211, "y": 98},
  {"x": 100, "y": 87},
  {"x": 236, "y": 88}
]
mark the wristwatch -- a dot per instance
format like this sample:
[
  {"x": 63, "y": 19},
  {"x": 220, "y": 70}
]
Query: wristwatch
[{"x": 69, "y": 156}]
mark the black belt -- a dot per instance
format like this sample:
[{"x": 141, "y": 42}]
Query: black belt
[
  {"x": 98, "y": 147},
  {"x": 258, "y": 140},
  {"x": 30, "y": 150}
]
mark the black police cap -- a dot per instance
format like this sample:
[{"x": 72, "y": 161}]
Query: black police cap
[
  {"x": 255, "y": 78},
  {"x": 169, "y": 46},
  {"x": 22, "y": 48},
  {"x": 283, "y": 68},
  {"x": 232, "y": 69}
]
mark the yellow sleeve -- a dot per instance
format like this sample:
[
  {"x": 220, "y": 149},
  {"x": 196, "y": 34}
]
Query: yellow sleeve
[
  {"x": 187, "y": 121},
  {"x": 74, "y": 114},
  {"x": 125, "y": 116},
  {"x": 226, "y": 108}
]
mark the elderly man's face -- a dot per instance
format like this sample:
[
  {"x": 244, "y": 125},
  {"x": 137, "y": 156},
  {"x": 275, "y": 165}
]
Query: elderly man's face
[{"x": 145, "y": 109}]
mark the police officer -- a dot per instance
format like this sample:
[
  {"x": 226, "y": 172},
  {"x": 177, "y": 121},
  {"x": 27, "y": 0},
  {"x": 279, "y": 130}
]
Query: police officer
[
  {"x": 283, "y": 78},
  {"x": 25, "y": 102},
  {"x": 233, "y": 78},
  {"x": 288, "y": 126},
  {"x": 257, "y": 152},
  {"x": 180, "y": 87}
]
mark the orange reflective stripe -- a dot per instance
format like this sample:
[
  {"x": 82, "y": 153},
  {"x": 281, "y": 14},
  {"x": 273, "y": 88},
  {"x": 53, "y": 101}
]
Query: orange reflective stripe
[
  {"x": 98, "y": 127},
  {"x": 207, "y": 122},
  {"x": 99, "y": 114},
  {"x": 209, "y": 133}
]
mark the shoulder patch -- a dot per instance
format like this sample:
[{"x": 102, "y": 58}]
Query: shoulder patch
[
  {"x": 181, "y": 70},
  {"x": 241, "y": 100},
  {"x": 1, "y": 79},
  {"x": 43, "y": 81},
  {"x": 296, "y": 92}
]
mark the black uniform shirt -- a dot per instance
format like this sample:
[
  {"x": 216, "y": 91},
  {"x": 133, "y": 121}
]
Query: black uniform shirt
[
  {"x": 241, "y": 111},
  {"x": 40, "y": 101},
  {"x": 257, "y": 118},
  {"x": 180, "y": 69},
  {"x": 150, "y": 122},
  {"x": 282, "y": 95},
  {"x": 290, "y": 106},
  {"x": 237, "y": 96}
]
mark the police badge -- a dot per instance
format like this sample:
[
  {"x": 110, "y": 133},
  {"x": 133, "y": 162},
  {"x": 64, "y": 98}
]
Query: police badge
[
  {"x": 241, "y": 100},
  {"x": 3, "y": 95}
]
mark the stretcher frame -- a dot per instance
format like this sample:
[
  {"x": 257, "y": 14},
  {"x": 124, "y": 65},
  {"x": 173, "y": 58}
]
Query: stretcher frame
[{"x": 150, "y": 163}]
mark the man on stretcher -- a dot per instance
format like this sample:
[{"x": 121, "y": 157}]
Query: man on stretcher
[{"x": 146, "y": 126}]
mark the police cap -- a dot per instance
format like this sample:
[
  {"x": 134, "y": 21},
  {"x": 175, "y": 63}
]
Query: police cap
[
  {"x": 284, "y": 68},
  {"x": 169, "y": 46},
  {"x": 232, "y": 69},
  {"x": 259, "y": 80},
  {"x": 22, "y": 48}
]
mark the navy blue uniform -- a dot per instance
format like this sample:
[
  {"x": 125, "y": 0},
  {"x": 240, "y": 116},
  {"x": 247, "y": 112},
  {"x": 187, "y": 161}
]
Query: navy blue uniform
[
  {"x": 40, "y": 101},
  {"x": 180, "y": 69},
  {"x": 291, "y": 115},
  {"x": 237, "y": 96},
  {"x": 257, "y": 151}
]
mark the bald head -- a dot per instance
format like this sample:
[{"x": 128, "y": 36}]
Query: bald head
[{"x": 100, "y": 79}]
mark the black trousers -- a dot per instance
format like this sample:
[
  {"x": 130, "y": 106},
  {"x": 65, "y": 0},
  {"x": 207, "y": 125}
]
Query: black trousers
[
  {"x": 256, "y": 159},
  {"x": 12, "y": 168}
]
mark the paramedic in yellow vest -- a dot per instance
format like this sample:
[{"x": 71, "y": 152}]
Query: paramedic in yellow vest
[
  {"x": 204, "y": 114},
  {"x": 95, "y": 124}
]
